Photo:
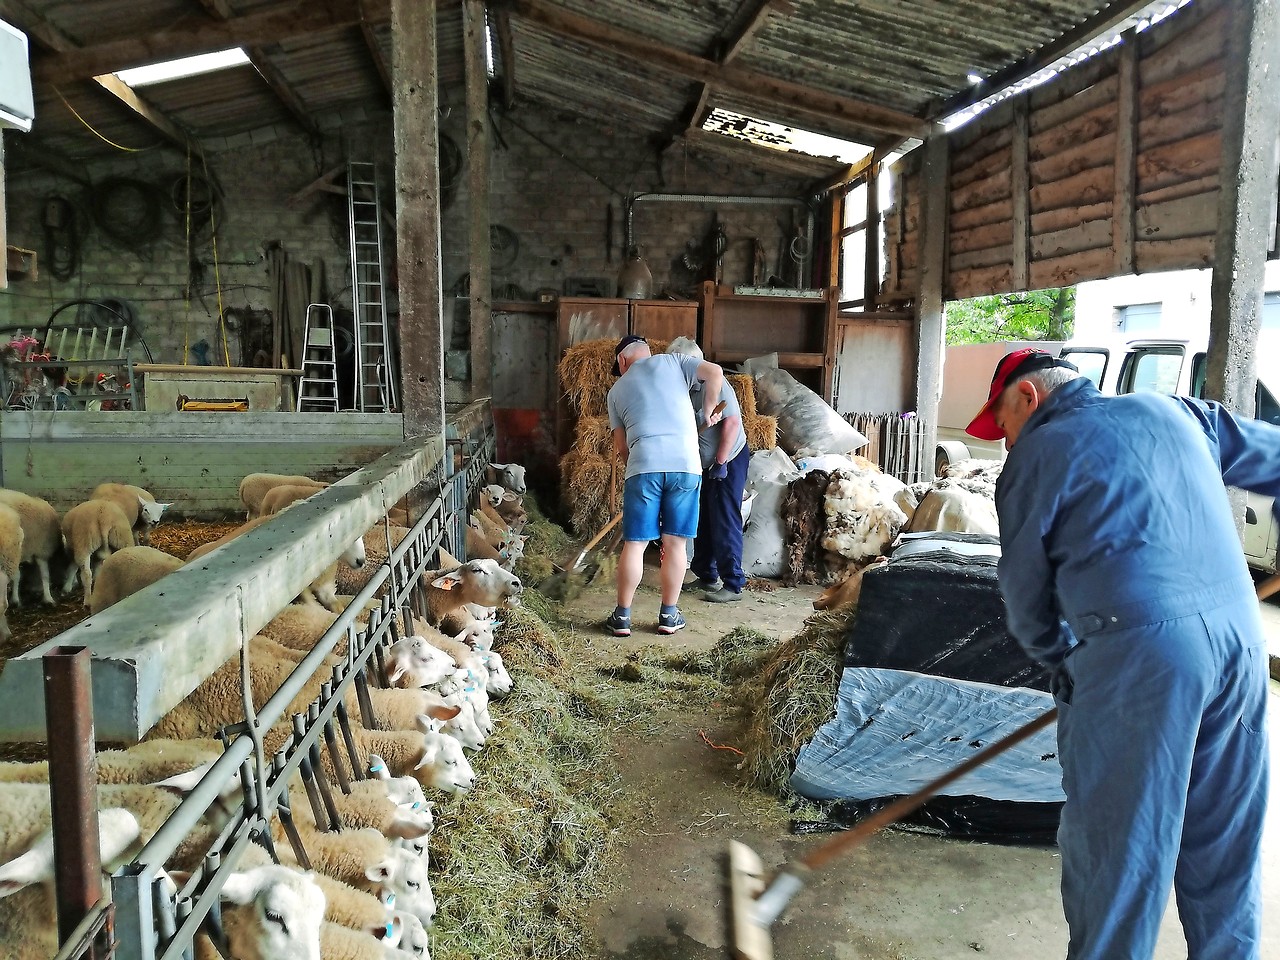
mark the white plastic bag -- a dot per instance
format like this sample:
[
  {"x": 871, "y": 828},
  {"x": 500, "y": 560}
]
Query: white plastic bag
[
  {"x": 764, "y": 543},
  {"x": 805, "y": 421},
  {"x": 771, "y": 464}
]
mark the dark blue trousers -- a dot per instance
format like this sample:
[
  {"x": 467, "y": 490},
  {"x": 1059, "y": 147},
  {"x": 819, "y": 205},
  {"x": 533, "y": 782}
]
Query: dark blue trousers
[{"x": 717, "y": 551}]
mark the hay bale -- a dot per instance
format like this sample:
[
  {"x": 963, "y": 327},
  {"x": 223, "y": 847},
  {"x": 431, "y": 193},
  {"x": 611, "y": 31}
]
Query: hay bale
[
  {"x": 594, "y": 435},
  {"x": 584, "y": 488},
  {"x": 762, "y": 432},
  {"x": 586, "y": 374},
  {"x": 793, "y": 695},
  {"x": 745, "y": 388}
]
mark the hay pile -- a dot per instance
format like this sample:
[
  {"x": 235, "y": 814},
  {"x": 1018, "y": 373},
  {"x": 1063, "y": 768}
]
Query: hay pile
[
  {"x": 745, "y": 389},
  {"x": 791, "y": 695},
  {"x": 586, "y": 374},
  {"x": 762, "y": 432},
  {"x": 548, "y": 543},
  {"x": 519, "y": 858}
]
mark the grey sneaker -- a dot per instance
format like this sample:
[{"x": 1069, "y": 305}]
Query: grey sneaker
[
  {"x": 619, "y": 626},
  {"x": 723, "y": 595},
  {"x": 669, "y": 623},
  {"x": 710, "y": 586}
]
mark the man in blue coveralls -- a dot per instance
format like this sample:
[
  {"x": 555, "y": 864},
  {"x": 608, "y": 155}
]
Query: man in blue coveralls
[
  {"x": 1121, "y": 567},
  {"x": 655, "y": 439},
  {"x": 717, "y": 552}
]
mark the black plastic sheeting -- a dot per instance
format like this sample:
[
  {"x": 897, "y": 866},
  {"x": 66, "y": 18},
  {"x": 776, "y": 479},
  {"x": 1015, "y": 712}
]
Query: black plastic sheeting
[
  {"x": 932, "y": 656},
  {"x": 940, "y": 612}
]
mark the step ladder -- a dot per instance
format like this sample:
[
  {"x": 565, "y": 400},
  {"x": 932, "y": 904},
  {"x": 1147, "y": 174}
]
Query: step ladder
[
  {"x": 318, "y": 386},
  {"x": 375, "y": 380}
]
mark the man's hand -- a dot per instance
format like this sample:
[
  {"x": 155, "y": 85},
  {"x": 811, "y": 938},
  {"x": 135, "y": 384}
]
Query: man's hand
[{"x": 717, "y": 471}]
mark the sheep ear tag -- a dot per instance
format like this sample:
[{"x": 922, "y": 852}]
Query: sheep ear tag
[{"x": 446, "y": 582}]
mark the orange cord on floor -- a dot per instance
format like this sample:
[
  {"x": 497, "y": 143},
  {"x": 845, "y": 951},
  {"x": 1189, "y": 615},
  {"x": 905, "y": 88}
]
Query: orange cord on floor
[{"x": 718, "y": 746}]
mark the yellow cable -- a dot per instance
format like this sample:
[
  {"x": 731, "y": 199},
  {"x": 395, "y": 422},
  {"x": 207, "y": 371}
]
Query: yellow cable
[
  {"x": 217, "y": 276},
  {"x": 96, "y": 133}
]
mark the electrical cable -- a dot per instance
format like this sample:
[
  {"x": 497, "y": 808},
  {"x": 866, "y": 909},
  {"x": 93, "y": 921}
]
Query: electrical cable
[
  {"x": 90, "y": 128},
  {"x": 61, "y": 238},
  {"x": 126, "y": 210}
]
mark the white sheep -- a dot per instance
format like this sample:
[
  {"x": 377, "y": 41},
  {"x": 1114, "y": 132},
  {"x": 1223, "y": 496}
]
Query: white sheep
[
  {"x": 482, "y": 582},
  {"x": 256, "y": 485},
  {"x": 92, "y": 531},
  {"x": 508, "y": 475},
  {"x": 301, "y": 625},
  {"x": 126, "y": 572},
  {"x": 478, "y": 548},
  {"x": 404, "y": 791},
  {"x": 510, "y": 506},
  {"x": 323, "y": 590},
  {"x": 443, "y": 765},
  {"x": 286, "y": 495},
  {"x": 28, "y": 859},
  {"x": 41, "y": 538},
  {"x": 11, "y": 537},
  {"x": 138, "y": 505},
  {"x": 410, "y": 936},
  {"x": 341, "y": 943},
  {"x": 415, "y": 662},
  {"x": 499, "y": 682}
]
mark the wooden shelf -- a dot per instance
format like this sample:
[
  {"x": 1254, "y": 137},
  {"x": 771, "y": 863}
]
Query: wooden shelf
[
  {"x": 765, "y": 298},
  {"x": 784, "y": 359}
]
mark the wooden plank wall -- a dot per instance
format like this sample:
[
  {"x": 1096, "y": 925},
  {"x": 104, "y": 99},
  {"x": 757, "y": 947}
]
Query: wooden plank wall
[
  {"x": 194, "y": 460},
  {"x": 1111, "y": 168}
]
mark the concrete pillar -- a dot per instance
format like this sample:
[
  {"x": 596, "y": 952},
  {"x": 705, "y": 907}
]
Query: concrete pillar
[{"x": 931, "y": 321}]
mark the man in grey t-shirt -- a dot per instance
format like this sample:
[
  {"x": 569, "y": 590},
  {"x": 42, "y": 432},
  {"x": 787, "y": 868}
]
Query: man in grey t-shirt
[
  {"x": 717, "y": 553},
  {"x": 655, "y": 438}
]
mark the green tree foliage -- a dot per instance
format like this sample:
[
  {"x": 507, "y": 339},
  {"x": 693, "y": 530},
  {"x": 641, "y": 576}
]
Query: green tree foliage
[{"x": 1037, "y": 315}]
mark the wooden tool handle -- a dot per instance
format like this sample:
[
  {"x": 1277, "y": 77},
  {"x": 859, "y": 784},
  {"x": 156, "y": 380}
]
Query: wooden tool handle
[
  {"x": 600, "y": 536},
  {"x": 821, "y": 855}
]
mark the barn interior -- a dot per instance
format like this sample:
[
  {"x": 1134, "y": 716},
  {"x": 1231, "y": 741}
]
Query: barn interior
[{"x": 384, "y": 244}]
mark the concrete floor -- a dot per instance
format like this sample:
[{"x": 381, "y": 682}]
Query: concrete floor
[{"x": 900, "y": 897}]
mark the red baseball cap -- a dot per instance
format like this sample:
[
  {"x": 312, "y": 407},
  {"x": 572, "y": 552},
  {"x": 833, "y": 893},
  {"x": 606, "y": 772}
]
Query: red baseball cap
[{"x": 1010, "y": 367}]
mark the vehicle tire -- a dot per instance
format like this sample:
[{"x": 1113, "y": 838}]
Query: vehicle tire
[{"x": 946, "y": 453}]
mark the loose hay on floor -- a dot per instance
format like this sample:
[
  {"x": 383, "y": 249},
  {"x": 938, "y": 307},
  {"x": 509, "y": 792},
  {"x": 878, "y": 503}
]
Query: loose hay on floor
[
  {"x": 792, "y": 695},
  {"x": 179, "y": 537}
]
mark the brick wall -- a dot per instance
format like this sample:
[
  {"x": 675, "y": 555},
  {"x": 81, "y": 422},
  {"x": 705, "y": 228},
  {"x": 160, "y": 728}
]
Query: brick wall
[{"x": 553, "y": 179}]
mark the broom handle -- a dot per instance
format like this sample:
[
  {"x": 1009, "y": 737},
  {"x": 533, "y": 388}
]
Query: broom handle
[{"x": 823, "y": 854}]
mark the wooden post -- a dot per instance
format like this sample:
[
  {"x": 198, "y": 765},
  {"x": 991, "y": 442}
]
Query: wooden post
[
  {"x": 1126, "y": 162},
  {"x": 871, "y": 283},
  {"x": 477, "y": 82},
  {"x": 1020, "y": 191},
  {"x": 1245, "y": 209},
  {"x": 413, "y": 33},
  {"x": 931, "y": 320},
  {"x": 4, "y": 249}
]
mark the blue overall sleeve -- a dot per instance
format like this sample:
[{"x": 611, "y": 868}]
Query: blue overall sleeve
[{"x": 1247, "y": 450}]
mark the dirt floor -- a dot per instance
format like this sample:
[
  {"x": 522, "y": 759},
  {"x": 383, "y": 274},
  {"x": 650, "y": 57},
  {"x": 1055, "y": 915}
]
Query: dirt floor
[{"x": 904, "y": 895}]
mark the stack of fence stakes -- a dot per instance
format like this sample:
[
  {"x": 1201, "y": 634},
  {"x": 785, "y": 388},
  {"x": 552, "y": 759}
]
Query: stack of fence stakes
[
  {"x": 895, "y": 444},
  {"x": 1111, "y": 168}
]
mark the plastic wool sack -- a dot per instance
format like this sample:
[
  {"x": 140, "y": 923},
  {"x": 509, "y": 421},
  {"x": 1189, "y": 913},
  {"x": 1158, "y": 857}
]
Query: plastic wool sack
[{"x": 805, "y": 421}]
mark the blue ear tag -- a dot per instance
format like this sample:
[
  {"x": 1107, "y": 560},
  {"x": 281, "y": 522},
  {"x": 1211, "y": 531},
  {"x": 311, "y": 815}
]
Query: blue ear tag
[
  {"x": 389, "y": 927},
  {"x": 416, "y": 805},
  {"x": 375, "y": 767}
]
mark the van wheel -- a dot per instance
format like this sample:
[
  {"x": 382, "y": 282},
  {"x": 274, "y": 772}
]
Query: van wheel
[{"x": 946, "y": 453}]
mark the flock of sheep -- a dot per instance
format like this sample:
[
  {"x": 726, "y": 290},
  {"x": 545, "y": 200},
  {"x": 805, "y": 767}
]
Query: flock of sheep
[{"x": 367, "y": 895}]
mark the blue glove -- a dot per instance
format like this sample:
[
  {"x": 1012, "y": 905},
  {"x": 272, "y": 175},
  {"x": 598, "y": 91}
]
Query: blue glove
[{"x": 717, "y": 471}]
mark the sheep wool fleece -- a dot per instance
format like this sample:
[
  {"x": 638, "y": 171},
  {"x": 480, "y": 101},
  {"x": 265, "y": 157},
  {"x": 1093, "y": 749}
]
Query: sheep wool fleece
[{"x": 1122, "y": 568}]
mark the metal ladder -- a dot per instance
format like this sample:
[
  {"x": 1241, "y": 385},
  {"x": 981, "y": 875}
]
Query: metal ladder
[
  {"x": 318, "y": 386},
  {"x": 375, "y": 380}
]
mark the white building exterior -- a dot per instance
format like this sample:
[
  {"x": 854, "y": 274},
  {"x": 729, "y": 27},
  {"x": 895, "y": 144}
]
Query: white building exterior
[{"x": 1159, "y": 304}]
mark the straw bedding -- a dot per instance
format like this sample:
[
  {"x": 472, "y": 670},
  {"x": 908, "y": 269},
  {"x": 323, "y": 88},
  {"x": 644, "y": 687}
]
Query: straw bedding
[
  {"x": 745, "y": 388},
  {"x": 762, "y": 432}
]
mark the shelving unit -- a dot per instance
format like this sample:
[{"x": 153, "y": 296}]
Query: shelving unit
[{"x": 801, "y": 330}]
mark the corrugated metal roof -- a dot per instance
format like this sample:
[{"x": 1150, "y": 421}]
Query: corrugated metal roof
[{"x": 904, "y": 55}]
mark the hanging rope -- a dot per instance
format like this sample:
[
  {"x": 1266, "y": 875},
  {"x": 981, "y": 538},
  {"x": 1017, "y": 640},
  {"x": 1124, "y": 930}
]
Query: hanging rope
[
  {"x": 90, "y": 128},
  {"x": 217, "y": 274}
]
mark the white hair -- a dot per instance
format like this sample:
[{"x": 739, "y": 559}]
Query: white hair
[
  {"x": 635, "y": 351},
  {"x": 1049, "y": 379}
]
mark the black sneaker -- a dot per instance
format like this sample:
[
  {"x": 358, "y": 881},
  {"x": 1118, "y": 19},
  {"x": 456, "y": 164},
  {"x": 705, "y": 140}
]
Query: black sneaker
[
  {"x": 620, "y": 626},
  {"x": 669, "y": 623}
]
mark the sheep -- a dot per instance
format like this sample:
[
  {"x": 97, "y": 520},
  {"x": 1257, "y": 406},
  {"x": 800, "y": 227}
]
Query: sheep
[
  {"x": 30, "y": 854},
  {"x": 11, "y": 537},
  {"x": 476, "y": 581},
  {"x": 416, "y": 662},
  {"x": 323, "y": 590},
  {"x": 300, "y": 625},
  {"x": 93, "y": 530},
  {"x": 498, "y": 682},
  {"x": 138, "y": 505},
  {"x": 340, "y": 943},
  {"x": 491, "y": 525},
  {"x": 41, "y": 539},
  {"x": 508, "y": 475},
  {"x": 448, "y": 770},
  {"x": 286, "y": 495},
  {"x": 478, "y": 548},
  {"x": 509, "y": 506},
  {"x": 352, "y": 908},
  {"x": 256, "y": 485},
  {"x": 401, "y": 790},
  {"x": 126, "y": 572},
  {"x": 411, "y": 937},
  {"x": 369, "y": 805}
]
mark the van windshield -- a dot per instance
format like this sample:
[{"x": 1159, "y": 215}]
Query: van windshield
[{"x": 1092, "y": 363}]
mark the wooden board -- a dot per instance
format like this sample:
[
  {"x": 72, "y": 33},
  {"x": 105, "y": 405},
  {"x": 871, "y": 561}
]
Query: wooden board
[{"x": 664, "y": 319}]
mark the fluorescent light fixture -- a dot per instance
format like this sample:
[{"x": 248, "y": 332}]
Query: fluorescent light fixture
[
  {"x": 776, "y": 136},
  {"x": 975, "y": 79},
  {"x": 185, "y": 67}
]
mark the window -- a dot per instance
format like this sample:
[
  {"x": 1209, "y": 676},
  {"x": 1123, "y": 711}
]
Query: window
[
  {"x": 1138, "y": 318},
  {"x": 1271, "y": 311},
  {"x": 1092, "y": 363},
  {"x": 1155, "y": 369}
]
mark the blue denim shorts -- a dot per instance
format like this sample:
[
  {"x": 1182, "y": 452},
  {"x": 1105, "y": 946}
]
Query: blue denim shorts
[{"x": 656, "y": 504}]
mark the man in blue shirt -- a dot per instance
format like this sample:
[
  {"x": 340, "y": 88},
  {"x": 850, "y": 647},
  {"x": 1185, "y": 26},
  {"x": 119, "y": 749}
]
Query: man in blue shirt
[
  {"x": 1122, "y": 568},
  {"x": 655, "y": 439}
]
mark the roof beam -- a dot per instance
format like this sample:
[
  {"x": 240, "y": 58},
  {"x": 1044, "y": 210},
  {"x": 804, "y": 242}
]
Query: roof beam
[
  {"x": 260, "y": 28},
  {"x": 52, "y": 37},
  {"x": 375, "y": 54},
  {"x": 274, "y": 79},
  {"x": 782, "y": 92},
  {"x": 1102, "y": 22},
  {"x": 507, "y": 50}
]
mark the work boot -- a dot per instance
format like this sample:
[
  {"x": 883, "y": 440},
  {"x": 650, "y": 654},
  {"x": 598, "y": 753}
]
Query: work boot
[
  {"x": 669, "y": 623},
  {"x": 722, "y": 595},
  {"x": 709, "y": 586}
]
